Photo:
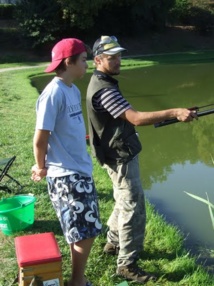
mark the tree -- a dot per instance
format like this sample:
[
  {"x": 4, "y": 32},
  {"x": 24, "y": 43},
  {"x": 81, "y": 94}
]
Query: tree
[
  {"x": 39, "y": 20},
  {"x": 81, "y": 13}
]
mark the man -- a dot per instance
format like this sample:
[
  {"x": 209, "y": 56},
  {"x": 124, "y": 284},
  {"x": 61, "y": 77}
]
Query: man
[{"x": 115, "y": 144}]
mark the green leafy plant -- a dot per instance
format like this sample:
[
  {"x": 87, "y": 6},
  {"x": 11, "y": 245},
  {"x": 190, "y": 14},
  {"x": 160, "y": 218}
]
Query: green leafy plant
[
  {"x": 205, "y": 201},
  {"x": 38, "y": 21}
]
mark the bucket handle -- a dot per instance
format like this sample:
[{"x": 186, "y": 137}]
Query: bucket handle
[
  {"x": 25, "y": 204},
  {"x": 21, "y": 205},
  {"x": 5, "y": 211}
]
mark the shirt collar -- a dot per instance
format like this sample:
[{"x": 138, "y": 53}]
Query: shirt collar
[{"x": 105, "y": 76}]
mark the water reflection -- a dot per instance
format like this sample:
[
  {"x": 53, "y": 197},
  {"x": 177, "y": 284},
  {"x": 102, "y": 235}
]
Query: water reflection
[
  {"x": 190, "y": 215},
  {"x": 175, "y": 158}
]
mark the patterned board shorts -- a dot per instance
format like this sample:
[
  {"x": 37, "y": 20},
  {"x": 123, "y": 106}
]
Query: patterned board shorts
[{"x": 74, "y": 199}]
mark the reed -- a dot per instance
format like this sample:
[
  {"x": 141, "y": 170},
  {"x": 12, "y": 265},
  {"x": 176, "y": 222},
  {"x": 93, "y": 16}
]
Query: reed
[{"x": 205, "y": 201}]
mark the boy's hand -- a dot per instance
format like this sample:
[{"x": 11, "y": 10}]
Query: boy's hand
[{"x": 38, "y": 174}]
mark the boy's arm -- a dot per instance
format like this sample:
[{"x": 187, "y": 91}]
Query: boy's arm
[{"x": 40, "y": 144}]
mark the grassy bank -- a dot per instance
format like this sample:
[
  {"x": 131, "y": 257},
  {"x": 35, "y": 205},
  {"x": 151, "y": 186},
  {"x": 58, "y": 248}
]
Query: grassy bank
[{"x": 164, "y": 252}]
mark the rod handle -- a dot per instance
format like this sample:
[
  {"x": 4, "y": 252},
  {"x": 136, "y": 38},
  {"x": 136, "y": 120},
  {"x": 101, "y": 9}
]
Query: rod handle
[
  {"x": 166, "y": 122},
  {"x": 174, "y": 120}
]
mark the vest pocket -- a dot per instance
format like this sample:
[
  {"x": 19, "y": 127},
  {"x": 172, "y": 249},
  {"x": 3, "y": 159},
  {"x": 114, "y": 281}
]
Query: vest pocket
[
  {"x": 133, "y": 144},
  {"x": 99, "y": 154},
  {"x": 128, "y": 148}
]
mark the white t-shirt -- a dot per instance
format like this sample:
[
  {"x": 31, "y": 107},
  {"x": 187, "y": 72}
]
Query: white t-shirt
[{"x": 59, "y": 110}]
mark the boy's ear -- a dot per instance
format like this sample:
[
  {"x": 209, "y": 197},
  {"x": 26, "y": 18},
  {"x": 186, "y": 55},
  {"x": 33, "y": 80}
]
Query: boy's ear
[{"x": 67, "y": 62}]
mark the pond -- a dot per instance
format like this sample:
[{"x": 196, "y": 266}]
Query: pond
[{"x": 176, "y": 158}]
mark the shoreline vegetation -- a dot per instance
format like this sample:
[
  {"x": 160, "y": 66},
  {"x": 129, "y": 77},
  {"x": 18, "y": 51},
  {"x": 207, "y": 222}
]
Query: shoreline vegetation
[{"x": 164, "y": 252}]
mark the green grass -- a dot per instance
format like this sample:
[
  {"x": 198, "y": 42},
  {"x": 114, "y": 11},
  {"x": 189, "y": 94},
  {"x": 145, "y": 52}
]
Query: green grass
[
  {"x": 164, "y": 252},
  {"x": 128, "y": 62}
]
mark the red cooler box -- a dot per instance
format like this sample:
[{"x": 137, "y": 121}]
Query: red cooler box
[{"x": 39, "y": 259}]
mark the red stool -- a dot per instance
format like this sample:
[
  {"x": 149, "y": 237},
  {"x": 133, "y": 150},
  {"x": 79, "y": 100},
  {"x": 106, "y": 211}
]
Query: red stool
[{"x": 39, "y": 259}]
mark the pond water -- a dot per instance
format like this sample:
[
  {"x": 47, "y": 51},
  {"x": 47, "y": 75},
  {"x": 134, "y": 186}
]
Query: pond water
[{"x": 176, "y": 158}]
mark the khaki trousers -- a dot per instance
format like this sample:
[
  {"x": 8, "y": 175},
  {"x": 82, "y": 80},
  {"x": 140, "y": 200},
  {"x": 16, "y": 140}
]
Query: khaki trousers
[{"x": 128, "y": 218}]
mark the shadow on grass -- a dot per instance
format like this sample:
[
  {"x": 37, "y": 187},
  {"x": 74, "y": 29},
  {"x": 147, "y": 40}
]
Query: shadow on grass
[
  {"x": 105, "y": 194},
  {"x": 178, "y": 58},
  {"x": 47, "y": 226}
]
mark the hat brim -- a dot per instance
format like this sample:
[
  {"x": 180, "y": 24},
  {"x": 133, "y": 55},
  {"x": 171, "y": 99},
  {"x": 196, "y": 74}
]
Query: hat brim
[
  {"x": 53, "y": 66},
  {"x": 114, "y": 51}
]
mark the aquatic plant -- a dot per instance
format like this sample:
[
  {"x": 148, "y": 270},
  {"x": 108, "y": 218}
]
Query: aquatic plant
[{"x": 206, "y": 201}]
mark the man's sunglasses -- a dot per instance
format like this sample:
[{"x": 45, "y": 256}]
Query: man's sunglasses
[
  {"x": 108, "y": 40},
  {"x": 105, "y": 41}
]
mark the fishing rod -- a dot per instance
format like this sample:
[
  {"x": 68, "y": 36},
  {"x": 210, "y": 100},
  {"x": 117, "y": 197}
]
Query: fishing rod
[{"x": 196, "y": 108}]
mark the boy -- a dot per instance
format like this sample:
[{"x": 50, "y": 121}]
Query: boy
[{"x": 61, "y": 154}]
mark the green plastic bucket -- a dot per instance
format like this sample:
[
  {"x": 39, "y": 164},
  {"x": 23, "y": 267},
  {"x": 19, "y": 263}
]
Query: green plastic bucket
[{"x": 16, "y": 213}]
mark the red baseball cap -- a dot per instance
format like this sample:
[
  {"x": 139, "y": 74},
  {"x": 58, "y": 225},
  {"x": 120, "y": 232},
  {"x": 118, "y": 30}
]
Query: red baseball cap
[{"x": 64, "y": 49}]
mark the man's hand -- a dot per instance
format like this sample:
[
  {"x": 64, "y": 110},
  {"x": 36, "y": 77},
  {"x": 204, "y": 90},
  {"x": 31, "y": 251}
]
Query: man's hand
[{"x": 186, "y": 115}]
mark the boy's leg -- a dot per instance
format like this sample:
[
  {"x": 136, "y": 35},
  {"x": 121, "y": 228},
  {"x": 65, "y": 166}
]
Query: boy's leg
[
  {"x": 79, "y": 254},
  {"x": 74, "y": 198}
]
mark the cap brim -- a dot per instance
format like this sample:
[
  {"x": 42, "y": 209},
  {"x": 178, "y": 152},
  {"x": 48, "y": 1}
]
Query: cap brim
[
  {"x": 53, "y": 66},
  {"x": 114, "y": 51}
]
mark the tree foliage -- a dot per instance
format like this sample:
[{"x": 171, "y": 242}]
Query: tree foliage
[
  {"x": 197, "y": 13},
  {"x": 46, "y": 21},
  {"x": 179, "y": 12},
  {"x": 39, "y": 20},
  {"x": 80, "y": 13}
]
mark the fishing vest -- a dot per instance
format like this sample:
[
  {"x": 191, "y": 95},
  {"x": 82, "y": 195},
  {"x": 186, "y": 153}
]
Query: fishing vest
[{"x": 112, "y": 141}]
